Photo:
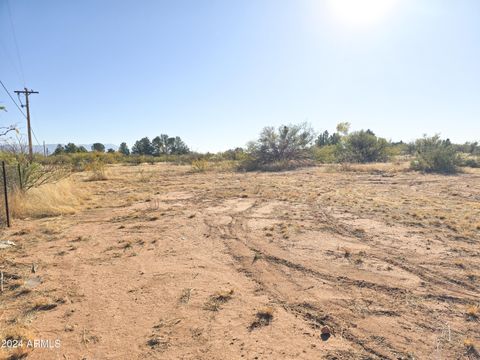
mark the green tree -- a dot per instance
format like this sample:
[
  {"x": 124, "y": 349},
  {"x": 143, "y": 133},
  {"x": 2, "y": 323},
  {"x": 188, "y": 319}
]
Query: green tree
[
  {"x": 143, "y": 147},
  {"x": 435, "y": 155},
  {"x": 343, "y": 128},
  {"x": 160, "y": 145},
  {"x": 286, "y": 143},
  {"x": 323, "y": 139},
  {"x": 71, "y": 148},
  {"x": 362, "y": 147},
  {"x": 177, "y": 146},
  {"x": 60, "y": 149},
  {"x": 123, "y": 149},
  {"x": 110, "y": 151},
  {"x": 98, "y": 147}
]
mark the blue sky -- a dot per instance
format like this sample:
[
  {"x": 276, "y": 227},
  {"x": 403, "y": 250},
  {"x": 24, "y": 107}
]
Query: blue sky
[{"x": 216, "y": 72}]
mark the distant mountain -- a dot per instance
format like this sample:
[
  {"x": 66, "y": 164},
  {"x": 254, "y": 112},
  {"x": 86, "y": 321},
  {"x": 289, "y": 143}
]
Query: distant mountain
[{"x": 51, "y": 147}]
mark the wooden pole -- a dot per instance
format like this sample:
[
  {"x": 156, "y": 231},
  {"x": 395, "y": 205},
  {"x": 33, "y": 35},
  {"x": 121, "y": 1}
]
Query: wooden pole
[
  {"x": 5, "y": 191},
  {"x": 20, "y": 176},
  {"x": 27, "y": 92}
]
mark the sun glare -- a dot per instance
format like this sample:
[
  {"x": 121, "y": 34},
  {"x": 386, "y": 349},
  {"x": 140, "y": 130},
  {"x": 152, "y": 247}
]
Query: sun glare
[{"x": 361, "y": 12}]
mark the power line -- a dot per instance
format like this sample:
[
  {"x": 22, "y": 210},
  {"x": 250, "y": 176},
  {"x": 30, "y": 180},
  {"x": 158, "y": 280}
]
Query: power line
[
  {"x": 35, "y": 137},
  {"x": 10, "y": 60},
  {"x": 8, "y": 93},
  {"x": 16, "y": 42}
]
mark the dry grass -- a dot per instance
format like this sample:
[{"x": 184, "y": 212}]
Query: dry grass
[
  {"x": 16, "y": 333},
  {"x": 200, "y": 165},
  {"x": 43, "y": 304},
  {"x": 263, "y": 318},
  {"x": 63, "y": 197},
  {"x": 471, "y": 348},
  {"x": 473, "y": 312},
  {"x": 97, "y": 170},
  {"x": 217, "y": 299}
]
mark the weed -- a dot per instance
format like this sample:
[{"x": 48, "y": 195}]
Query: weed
[
  {"x": 97, "y": 167},
  {"x": 185, "y": 296},
  {"x": 473, "y": 312},
  {"x": 216, "y": 300},
  {"x": 263, "y": 318},
  {"x": 201, "y": 165}
]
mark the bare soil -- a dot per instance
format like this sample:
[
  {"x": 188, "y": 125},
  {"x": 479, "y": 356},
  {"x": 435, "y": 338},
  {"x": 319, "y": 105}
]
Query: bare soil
[{"x": 165, "y": 263}]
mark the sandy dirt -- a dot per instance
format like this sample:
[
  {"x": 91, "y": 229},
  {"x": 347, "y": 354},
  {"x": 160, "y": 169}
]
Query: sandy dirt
[{"x": 164, "y": 263}]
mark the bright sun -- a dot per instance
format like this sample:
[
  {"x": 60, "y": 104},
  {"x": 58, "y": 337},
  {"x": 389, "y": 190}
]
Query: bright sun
[{"x": 361, "y": 12}]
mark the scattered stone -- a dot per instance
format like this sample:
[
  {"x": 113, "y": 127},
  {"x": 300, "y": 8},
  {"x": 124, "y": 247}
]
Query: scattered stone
[
  {"x": 5, "y": 244},
  {"x": 326, "y": 330},
  {"x": 326, "y": 333}
]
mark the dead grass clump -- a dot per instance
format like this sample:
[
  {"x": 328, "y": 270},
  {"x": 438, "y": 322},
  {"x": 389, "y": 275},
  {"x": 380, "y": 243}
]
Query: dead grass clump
[
  {"x": 200, "y": 165},
  {"x": 19, "y": 354},
  {"x": 19, "y": 335},
  {"x": 473, "y": 312},
  {"x": 263, "y": 318},
  {"x": 471, "y": 348},
  {"x": 43, "y": 304},
  {"x": 97, "y": 169},
  {"x": 216, "y": 300},
  {"x": 63, "y": 197}
]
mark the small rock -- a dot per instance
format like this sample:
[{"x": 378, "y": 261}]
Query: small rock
[
  {"x": 5, "y": 244},
  {"x": 326, "y": 330}
]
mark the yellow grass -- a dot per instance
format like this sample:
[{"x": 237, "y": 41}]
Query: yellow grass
[
  {"x": 63, "y": 197},
  {"x": 16, "y": 333}
]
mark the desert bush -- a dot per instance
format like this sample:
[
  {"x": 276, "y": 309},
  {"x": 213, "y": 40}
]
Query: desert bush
[
  {"x": 325, "y": 154},
  {"x": 200, "y": 165},
  {"x": 279, "y": 149},
  {"x": 23, "y": 174},
  {"x": 98, "y": 171},
  {"x": 362, "y": 147},
  {"x": 33, "y": 174},
  {"x": 472, "y": 162},
  {"x": 435, "y": 155}
]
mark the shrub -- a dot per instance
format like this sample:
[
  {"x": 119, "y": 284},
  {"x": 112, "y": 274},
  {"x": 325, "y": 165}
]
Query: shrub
[
  {"x": 473, "y": 162},
  {"x": 98, "y": 171},
  {"x": 435, "y": 155},
  {"x": 33, "y": 174},
  {"x": 362, "y": 147},
  {"x": 324, "y": 154},
  {"x": 279, "y": 149},
  {"x": 199, "y": 165}
]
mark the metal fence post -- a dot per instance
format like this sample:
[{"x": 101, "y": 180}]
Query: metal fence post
[
  {"x": 5, "y": 191},
  {"x": 20, "y": 176}
]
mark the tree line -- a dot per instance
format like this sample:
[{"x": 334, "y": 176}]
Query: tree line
[
  {"x": 160, "y": 145},
  {"x": 293, "y": 145}
]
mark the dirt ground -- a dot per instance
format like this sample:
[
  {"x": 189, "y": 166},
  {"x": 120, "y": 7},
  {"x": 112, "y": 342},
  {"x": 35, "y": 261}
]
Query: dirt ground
[{"x": 165, "y": 263}]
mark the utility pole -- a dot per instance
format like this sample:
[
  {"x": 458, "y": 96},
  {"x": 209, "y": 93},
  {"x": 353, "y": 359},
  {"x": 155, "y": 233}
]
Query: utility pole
[{"x": 27, "y": 92}]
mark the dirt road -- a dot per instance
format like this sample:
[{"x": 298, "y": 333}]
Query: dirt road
[{"x": 163, "y": 263}]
